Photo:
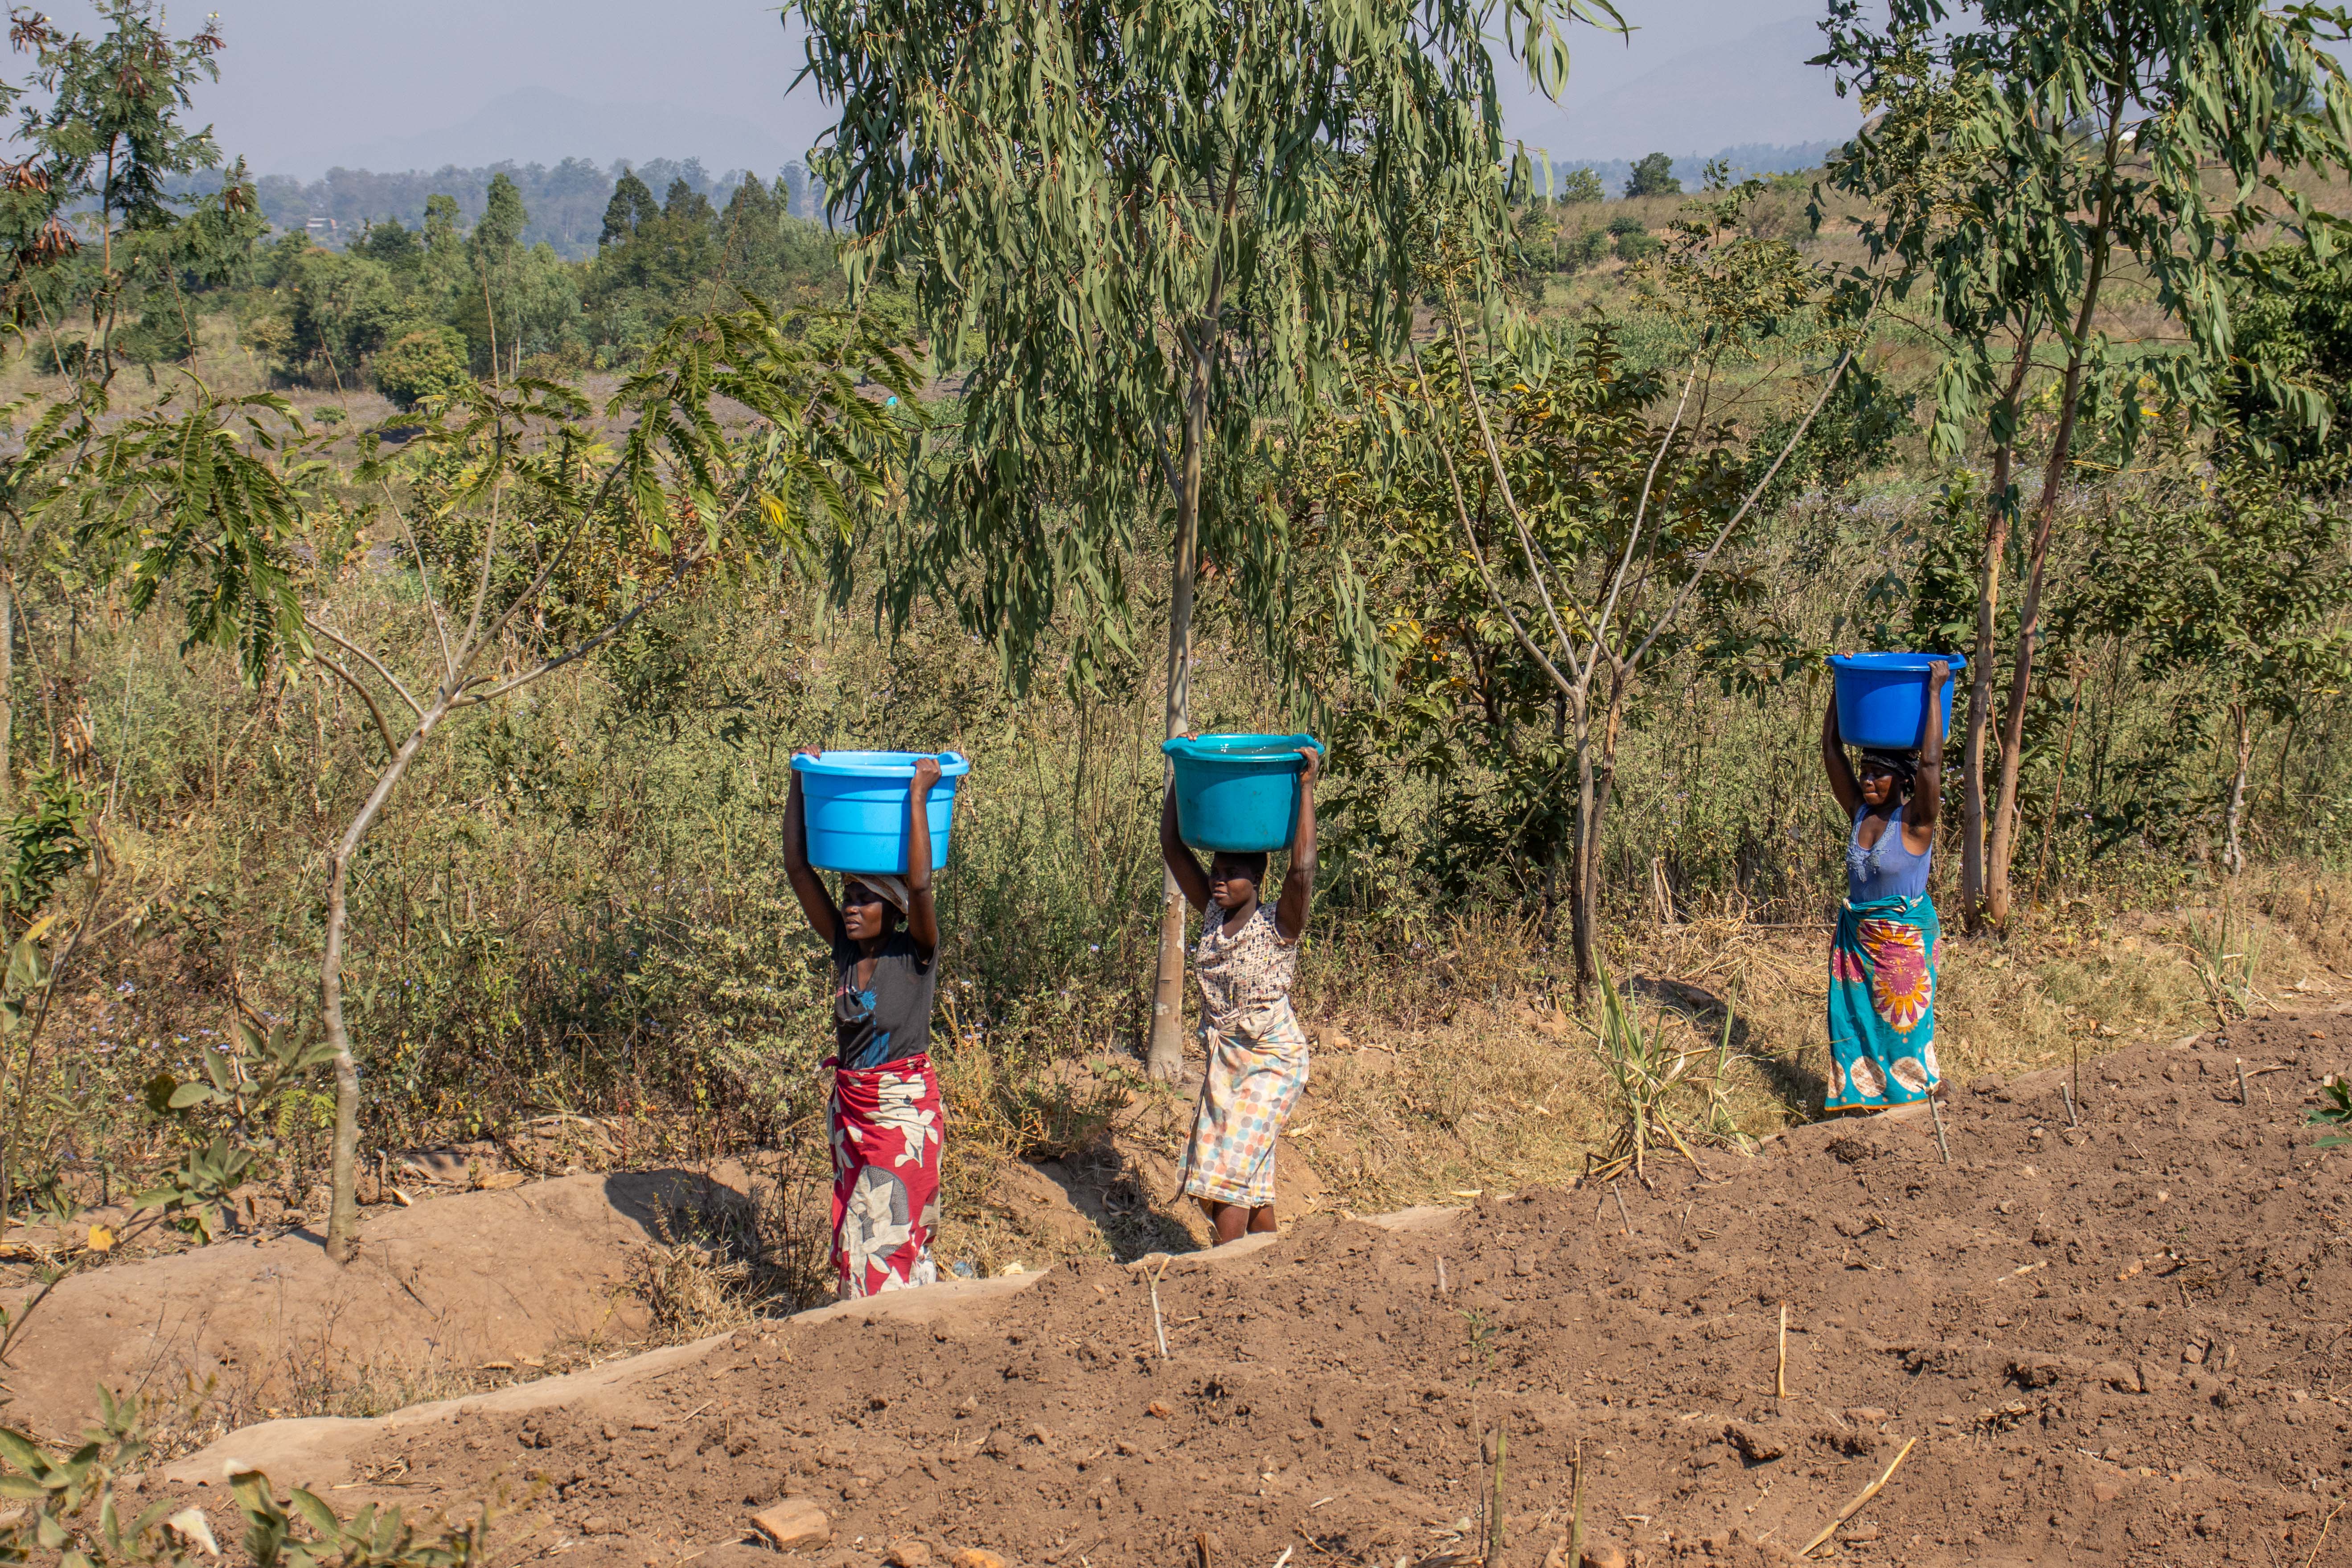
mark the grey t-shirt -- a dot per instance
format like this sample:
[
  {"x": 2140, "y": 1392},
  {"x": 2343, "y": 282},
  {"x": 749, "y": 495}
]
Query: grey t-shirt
[{"x": 890, "y": 1015}]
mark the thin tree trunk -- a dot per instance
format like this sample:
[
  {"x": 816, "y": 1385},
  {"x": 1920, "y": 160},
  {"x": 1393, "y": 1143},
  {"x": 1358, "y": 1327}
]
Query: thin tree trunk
[
  {"x": 1996, "y": 549},
  {"x": 343, "y": 1214},
  {"x": 2002, "y": 845},
  {"x": 1164, "y": 1054},
  {"x": 7, "y": 692},
  {"x": 1596, "y": 758},
  {"x": 2233, "y": 849},
  {"x": 1165, "y": 1058}
]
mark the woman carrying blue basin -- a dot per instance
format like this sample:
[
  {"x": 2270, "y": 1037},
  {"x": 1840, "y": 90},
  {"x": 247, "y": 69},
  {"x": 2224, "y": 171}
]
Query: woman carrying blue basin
[
  {"x": 1246, "y": 961},
  {"x": 884, "y": 1117},
  {"x": 1882, "y": 1007}
]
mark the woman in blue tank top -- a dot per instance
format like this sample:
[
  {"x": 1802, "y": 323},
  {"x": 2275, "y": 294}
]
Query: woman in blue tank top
[{"x": 1881, "y": 1008}]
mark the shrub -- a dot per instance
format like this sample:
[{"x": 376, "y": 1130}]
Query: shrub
[
  {"x": 1626, "y": 223},
  {"x": 422, "y": 364},
  {"x": 1637, "y": 245}
]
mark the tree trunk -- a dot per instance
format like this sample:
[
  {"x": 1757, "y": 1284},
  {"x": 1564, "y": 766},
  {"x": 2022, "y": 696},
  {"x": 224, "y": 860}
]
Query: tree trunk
[
  {"x": 1972, "y": 757},
  {"x": 1595, "y": 772},
  {"x": 1165, "y": 1059},
  {"x": 2002, "y": 845},
  {"x": 344, "y": 1215},
  {"x": 2233, "y": 849},
  {"x": 7, "y": 692}
]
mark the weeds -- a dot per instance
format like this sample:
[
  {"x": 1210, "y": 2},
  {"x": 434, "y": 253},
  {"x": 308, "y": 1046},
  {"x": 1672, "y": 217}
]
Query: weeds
[
  {"x": 2228, "y": 977},
  {"x": 2335, "y": 1110},
  {"x": 1645, "y": 1071}
]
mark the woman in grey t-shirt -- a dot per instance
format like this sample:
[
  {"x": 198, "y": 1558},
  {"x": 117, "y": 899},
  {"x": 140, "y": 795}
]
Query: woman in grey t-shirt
[{"x": 886, "y": 1119}]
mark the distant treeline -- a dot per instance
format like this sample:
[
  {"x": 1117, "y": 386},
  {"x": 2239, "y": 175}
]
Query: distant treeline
[
  {"x": 566, "y": 203},
  {"x": 1748, "y": 158}
]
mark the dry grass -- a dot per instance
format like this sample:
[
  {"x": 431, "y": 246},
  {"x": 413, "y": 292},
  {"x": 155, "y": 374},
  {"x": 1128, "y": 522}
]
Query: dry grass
[{"x": 1458, "y": 1077}]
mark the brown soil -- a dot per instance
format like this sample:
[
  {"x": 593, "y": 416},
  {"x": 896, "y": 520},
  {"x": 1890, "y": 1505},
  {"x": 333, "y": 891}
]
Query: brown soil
[
  {"x": 2122, "y": 1344},
  {"x": 453, "y": 1294}
]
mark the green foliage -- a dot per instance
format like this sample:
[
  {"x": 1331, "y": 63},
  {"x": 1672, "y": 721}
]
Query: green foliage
[
  {"x": 420, "y": 364},
  {"x": 2007, "y": 160},
  {"x": 105, "y": 134},
  {"x": 1638, "y": 245},
  {"x": 77, "y": 1509},
  {"x": 2335, "y": 1110},
  {"x": 227, "y": 1121},
  {"x": 1135, "y": 233},
  {"x": 44, "y": 843},
  {"x": 1654, "y": 176},
  {"x": 1579, "y": 187},
  {"x": 2284, "y": 399}
]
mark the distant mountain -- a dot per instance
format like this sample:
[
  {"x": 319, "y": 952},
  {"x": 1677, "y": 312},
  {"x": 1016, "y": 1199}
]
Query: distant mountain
[
  {"x": 1713, "y": 94},
  {"x": 539, "y": 125}
]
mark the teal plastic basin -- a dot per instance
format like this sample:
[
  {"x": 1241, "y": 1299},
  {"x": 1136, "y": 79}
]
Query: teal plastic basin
[
  {"x": 857, "y": 808},
  {"x": 1237, "y": 793},
  {"x": 1882, "y": 697}
]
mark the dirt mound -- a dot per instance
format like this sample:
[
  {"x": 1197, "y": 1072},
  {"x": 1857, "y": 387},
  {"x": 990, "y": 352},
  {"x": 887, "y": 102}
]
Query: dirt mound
[
  {"x": 2119, "y": 1343},
  {"x": 468, "y": 1291}
]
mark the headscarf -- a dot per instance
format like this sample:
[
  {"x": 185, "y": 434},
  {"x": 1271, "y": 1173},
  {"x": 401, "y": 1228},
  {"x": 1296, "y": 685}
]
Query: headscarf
[
  {"x": 892, "y": 889},
  {"x": 1902, "y": 764}
]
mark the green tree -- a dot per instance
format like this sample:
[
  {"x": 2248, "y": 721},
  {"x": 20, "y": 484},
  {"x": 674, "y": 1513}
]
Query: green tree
[
  {"x": 543, "y": 540},
  {"x": 631, "y": 208},
  {"x": 1579, "y": 187},
  {"x": 1654, "y": 176},
  {"x": 2247, "y": 586},
  {"x": 1144, "y": 233},
  {"x": 2010, "y": 164}
]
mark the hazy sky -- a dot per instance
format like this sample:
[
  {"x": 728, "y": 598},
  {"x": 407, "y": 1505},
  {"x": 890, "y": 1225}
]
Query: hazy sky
[{"x": 307, "y": 82}]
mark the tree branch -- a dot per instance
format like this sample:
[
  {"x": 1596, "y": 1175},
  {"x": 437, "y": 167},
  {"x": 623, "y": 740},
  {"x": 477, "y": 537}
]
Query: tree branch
[{"x": 341, "y": 641}]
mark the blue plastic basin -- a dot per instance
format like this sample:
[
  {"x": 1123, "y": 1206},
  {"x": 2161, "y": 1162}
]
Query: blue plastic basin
[
  {"x": 1237, "y": 795},
  {"x": 857, "y": 805},
  {"x": 1882, "y": 697}
]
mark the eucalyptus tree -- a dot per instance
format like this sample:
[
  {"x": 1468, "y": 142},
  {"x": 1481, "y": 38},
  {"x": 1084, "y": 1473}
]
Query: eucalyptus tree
[
  {"x": 1142, "y": 237},
  {"x": 535, "y": 540},
  {"x": 2019, "y": 154}
]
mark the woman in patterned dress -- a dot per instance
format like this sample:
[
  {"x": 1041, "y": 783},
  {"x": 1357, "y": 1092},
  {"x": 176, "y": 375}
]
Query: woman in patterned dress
[
  {"x": 1246, "y": 961},
  {"x": 1882, "y": 1007}
]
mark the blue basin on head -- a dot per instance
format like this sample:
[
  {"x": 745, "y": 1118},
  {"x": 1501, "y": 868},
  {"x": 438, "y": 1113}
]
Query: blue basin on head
[
  {"x": 1882, "y": 697},
  {"x": 1237, "y": 793},
  {"x": 856, "y": 806}
]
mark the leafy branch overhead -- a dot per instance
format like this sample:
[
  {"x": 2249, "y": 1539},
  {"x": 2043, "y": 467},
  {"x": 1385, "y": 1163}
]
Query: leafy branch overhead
[{"x": 1136, "y": 232}]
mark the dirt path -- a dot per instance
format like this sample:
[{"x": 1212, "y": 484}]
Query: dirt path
[{"x": 2127, "y": 1343}]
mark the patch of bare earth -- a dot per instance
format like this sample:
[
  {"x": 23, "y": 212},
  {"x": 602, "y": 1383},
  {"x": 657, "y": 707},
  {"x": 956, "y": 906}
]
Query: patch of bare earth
[{"x": 2119, "y": 1343}]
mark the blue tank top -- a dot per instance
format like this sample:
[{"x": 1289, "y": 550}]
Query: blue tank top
[{"x": 1887, "y": 869}]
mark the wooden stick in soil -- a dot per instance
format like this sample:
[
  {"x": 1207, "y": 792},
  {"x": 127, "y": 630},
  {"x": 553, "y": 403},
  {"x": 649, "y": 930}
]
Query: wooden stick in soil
[
  {"x": 1936, "y": 1114},
  {"x": 1576, "y": 1509},
  {"x": 1620, "y": 1196},
  {"x": 1159, "y": 1331},
  {"x": 1780, "y": 1372},
  {"x": 1495, "y": 1535},
  {"x": 2068, "y": 1095},
  {"x": 1858, "y": 1504},
  {"x": 2243, "y": 1096}
]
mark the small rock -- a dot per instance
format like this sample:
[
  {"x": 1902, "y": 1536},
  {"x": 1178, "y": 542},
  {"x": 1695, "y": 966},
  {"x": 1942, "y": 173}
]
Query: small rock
[
  {"x": 596, "y": 1524},
  {"x": 2107, "y": 1491},
  {"x": 1759, "y": 1447},
  {"x": 1155, "y": 1408},
  {"x": 794, "y": 1524},
  {"x": 907, "y": 1554},
  {"x": 1866, "y": 1416},
  {"x": 1603, "y": 1557},
  {"x": 1859, "y": 1532},
  {"x": 973, "y": 1557}
]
